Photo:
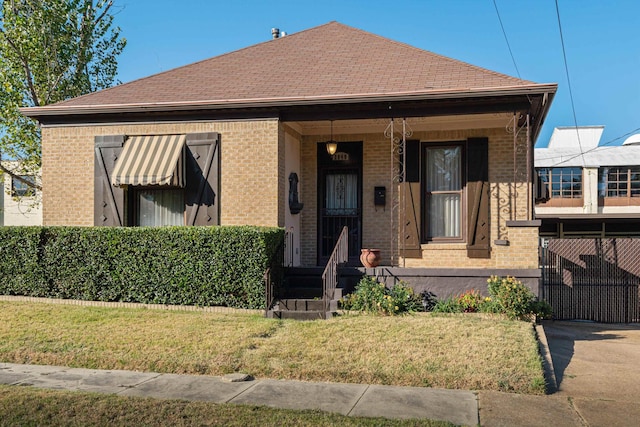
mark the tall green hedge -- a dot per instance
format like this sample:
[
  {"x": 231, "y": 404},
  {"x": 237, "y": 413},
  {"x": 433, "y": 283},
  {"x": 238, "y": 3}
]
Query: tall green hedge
[{"x": 203, "y": 266}]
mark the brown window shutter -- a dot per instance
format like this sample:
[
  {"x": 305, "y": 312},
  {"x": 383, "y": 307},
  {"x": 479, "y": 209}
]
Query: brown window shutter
[
  {"x": 478, "y": 202},
  {"x": 412, "y": 167},
  {"x": 108, "y": 205},
  {"x": 202, "y": 167},
  {"x": 411, "y": 241}
]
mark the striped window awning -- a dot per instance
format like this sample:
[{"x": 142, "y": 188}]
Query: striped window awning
[{"x": 151, "y": 160}]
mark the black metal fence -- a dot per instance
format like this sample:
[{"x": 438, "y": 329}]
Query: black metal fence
[{"x": 592, "y": 279}]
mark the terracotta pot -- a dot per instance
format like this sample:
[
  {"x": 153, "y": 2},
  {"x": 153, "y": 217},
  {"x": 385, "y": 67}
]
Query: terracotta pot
[{"x": 370, "y": 257}]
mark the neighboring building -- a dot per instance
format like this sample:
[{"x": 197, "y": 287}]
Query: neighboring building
[
  {"x": 428, "y": 167},
  {"x": 19, "y": 203},
  {"x": 587, "y": 190}
]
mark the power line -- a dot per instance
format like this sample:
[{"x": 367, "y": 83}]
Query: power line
[
  {"x": 566, "y": 68},
  {"x": 507, "y": 40}
]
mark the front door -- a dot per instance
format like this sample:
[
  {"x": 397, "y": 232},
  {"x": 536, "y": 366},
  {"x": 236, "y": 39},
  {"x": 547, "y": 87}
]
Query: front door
[{"x": 340, "y": 199}]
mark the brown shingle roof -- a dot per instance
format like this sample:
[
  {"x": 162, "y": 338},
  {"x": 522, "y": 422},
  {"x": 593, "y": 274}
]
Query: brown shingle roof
[{"x": 332, "y": 60}]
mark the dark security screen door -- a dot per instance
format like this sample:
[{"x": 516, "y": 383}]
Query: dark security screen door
[{"x": 340, "y": 200}]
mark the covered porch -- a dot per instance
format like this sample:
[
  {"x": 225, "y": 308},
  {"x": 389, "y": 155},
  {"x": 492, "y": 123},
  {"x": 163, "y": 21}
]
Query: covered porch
[{"x": 446, "y": 198}]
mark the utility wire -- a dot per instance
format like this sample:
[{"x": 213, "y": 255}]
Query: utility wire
[
  {"x": 566, "y": 68},
  {"x": 507, "y": 40}
]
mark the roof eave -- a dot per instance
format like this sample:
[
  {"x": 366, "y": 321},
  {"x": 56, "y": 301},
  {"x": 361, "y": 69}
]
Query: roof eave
[{"x": 57, "y": 110}]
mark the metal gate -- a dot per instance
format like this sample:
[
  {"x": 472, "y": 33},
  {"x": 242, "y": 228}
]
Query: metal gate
[{"x": 592, "y": 279}]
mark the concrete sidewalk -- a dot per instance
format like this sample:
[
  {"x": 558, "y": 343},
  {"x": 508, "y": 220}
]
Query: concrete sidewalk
[{"x": 456, "y": 406}]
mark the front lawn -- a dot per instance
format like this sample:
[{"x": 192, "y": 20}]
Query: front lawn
[{"x": 464, "y": 351}]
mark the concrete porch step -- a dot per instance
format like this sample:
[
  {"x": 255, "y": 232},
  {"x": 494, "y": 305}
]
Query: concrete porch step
[
  {"x": 309, "y": 294},
  {"x": 301, "y": 315},
  {"x": 302, "y": 309},
  {"x": 304, "y": 276},
  {"x": 298, "y": 304},
  {"x": 302, "y": 293}
]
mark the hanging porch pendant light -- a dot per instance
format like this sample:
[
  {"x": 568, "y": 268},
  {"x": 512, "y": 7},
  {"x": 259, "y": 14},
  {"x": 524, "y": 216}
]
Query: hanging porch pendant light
[{"x": 332, "y": 146}]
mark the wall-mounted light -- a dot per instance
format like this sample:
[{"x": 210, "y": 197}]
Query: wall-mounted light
[{"x": 332, "y": 146}]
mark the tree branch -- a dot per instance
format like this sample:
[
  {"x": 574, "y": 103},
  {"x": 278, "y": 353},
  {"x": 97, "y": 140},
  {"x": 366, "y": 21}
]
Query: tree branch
[
  {"x": 19, "y": 178},
  {"x": 27, "y": 69},
  {"x": 104, "y": 12}
]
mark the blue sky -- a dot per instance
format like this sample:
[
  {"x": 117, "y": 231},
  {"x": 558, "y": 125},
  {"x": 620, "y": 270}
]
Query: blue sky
[{"x": 602, "y": 42}]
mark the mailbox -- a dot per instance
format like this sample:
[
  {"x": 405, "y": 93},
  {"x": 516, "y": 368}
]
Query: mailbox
[{"x": 379, "y": 196}]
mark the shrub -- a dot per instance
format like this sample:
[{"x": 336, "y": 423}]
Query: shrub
[
  {"x": 164, "y": 265},
  {"x": 403, "y": 299},
  {"x": 429, "y": 300},
  {"x": 470, "y": 301},
  {"x": 374, "y": 297},
  {"x": 489, "y": 306},
  {"x": 508, "y": 296},
  {"x": 512, "y": 298},
  {"x": 448, "y": 305},
  {"x": 466, "y": 302},
  {"x": 542, "y": 309},
  {"x": 20, "y": 267}
]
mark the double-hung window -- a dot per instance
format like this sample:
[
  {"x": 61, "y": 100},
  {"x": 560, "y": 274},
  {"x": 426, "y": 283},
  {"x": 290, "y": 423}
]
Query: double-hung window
[{"x": 443, "y": 191}]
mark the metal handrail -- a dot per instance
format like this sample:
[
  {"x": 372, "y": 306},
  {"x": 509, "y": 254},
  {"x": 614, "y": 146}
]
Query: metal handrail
[{"x": 340, "y": 255}]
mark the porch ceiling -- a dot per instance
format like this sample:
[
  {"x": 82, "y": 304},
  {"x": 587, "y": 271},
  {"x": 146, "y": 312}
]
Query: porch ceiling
[{"x": 351, "y": 127}]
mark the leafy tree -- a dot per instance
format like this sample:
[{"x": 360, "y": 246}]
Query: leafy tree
[{"x": 50, "y": 51}]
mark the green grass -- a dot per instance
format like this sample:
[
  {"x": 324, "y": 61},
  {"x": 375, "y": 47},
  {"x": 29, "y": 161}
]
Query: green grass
[
  {"x": 472, "y": 352},
  {"x": 26, "y": 406}
]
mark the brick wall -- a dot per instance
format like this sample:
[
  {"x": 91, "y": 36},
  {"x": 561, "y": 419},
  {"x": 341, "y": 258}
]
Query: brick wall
[
  {"x": 522, "y": 251},
  {"x": 250, "y": 164},
  {"x": 253, "y": 185},
  {"x": 507, "y": 203}
]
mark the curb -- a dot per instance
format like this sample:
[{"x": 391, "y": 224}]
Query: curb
[{"x": 547, "y": 361}]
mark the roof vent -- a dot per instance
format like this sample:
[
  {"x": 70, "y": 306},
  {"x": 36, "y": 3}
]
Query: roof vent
[{"x": 275, "y": 33}]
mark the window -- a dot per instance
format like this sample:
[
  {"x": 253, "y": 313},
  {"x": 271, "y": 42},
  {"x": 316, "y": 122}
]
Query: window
[
  {"x": 623, "y": 181},
  {"x": 155, "y": 180},
  {"x": 157, "y": 208},
  {"x": 443, "y": 185},
  {"x": 562, "y": 182},
  {"x": 454, "y": 196},
  {"x": 20, "y": 188},
  {"x": 341, "y": 193}
]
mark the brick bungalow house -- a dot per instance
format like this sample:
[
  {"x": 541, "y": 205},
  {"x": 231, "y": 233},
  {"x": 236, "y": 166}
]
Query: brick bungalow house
[{"x": 433, "y": 159}]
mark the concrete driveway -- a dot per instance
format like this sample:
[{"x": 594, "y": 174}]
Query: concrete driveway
[{"x": 597, "y": 368}]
